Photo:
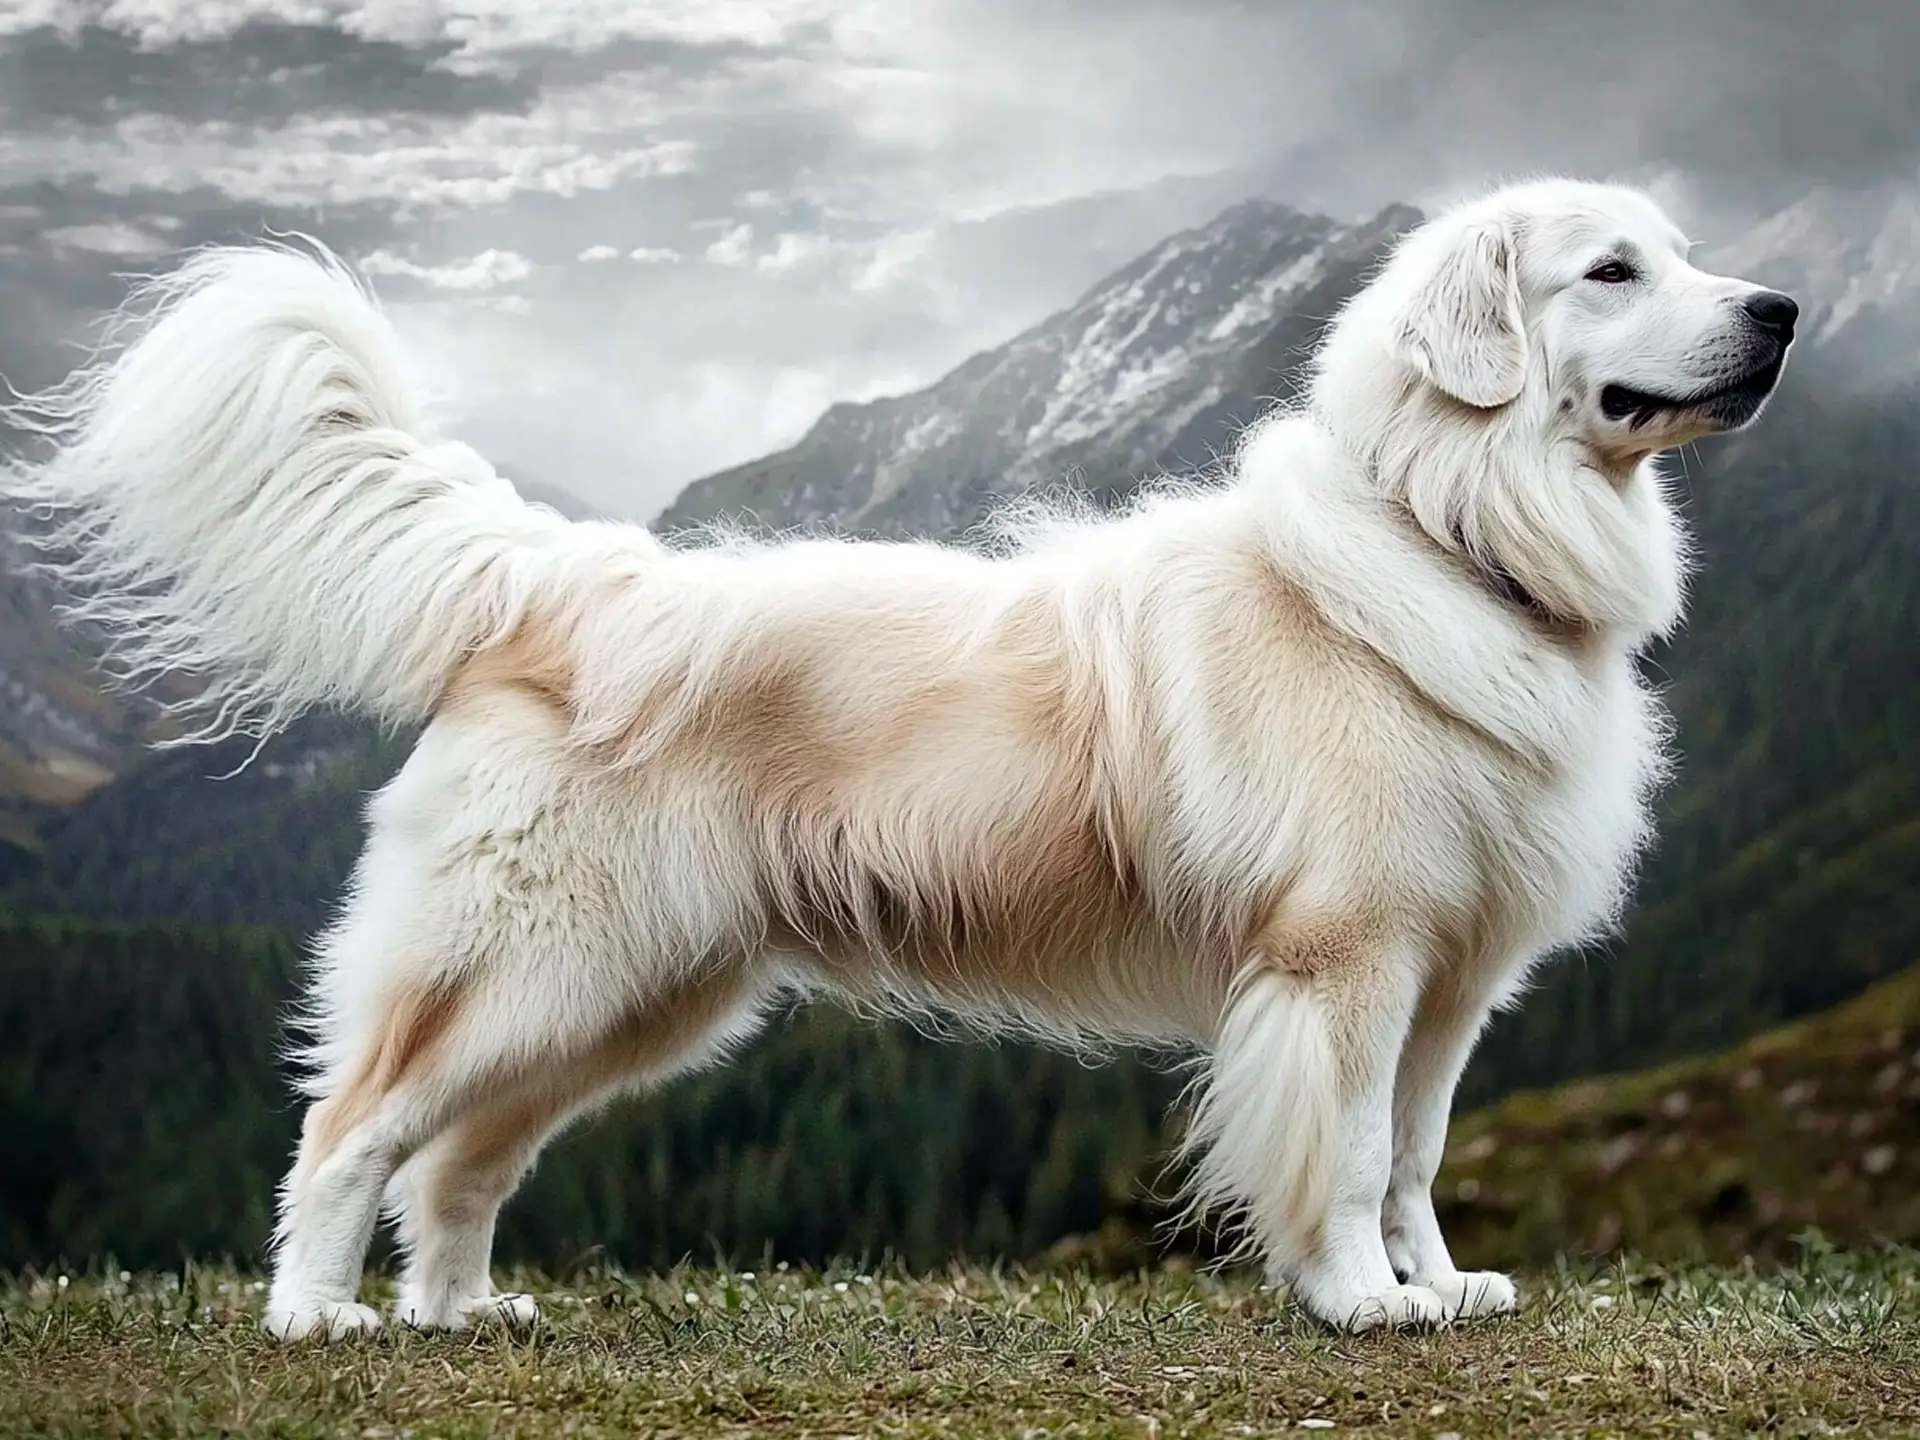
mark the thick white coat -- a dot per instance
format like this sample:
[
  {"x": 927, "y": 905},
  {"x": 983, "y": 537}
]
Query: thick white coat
[{"x": 1303, "y": 765}]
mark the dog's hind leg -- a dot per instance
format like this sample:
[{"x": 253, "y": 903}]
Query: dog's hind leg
[
  {"x": 447, "y": 1197},
  {"x": 1451, "y": 1015},
  {"x": 389, "y": 1098},
  {"x": 416, "y": 1026},
  {"x": 461, "y": 1079}
]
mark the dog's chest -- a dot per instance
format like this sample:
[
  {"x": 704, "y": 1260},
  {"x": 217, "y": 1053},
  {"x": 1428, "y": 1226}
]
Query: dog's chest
[{"x": 1558, "y": 848}]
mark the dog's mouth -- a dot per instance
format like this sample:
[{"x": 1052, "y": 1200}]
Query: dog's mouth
[{"x": 1727, "y": 406}]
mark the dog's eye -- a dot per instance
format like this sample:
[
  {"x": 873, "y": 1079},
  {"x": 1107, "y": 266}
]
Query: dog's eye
[{"x": 1611, "y": 272}]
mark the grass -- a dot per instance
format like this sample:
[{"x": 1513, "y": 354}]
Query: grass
[{"x": 1831, "y": 1346}]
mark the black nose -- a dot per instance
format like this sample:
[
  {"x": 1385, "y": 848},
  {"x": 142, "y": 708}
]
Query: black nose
[{"x": 1774, "y": 311}]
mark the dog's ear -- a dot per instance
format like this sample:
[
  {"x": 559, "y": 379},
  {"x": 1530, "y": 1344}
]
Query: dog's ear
[{"x": 1463, "y": 329}]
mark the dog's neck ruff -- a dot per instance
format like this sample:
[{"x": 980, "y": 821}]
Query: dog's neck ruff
[
  {"x": 1488, "y": 571},
  {"x": 1513, "y": 592}
]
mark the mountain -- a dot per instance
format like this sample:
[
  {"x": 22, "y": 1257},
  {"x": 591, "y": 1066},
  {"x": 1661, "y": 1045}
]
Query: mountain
[
  {"x": 1155, "y": 368},
  {"x": 189, "y": 835},
  {"x": 555, "y": 498},
  {"x": 60, "y": 735},
  {"x": 1163, "y": 362}
]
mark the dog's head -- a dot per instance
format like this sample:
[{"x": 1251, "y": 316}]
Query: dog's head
[
  {"x": 1577, "y": 301},
  {"x": 1513, "y": 366}
]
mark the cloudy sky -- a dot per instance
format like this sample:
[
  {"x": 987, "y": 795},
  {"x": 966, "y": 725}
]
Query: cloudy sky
[{"x": 632, "y": 241}]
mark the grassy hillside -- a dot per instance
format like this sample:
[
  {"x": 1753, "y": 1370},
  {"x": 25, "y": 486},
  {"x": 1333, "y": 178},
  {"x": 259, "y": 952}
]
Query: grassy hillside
[{"x": 1815, "y": 1124}]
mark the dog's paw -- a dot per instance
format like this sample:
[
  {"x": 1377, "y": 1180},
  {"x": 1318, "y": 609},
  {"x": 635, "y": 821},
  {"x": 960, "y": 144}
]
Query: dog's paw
[
  {"x": 1397, "y": 1307},
  {"x": 319, "y": 1319},
  {"x": 517, "y": 1311},
  {"x": 1470, "y": 1294}
]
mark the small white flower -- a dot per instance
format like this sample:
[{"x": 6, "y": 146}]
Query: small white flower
[
  {"x": 839, "y": 1287},
  {"x": 63, "y": 1282},
  {"x": 692, "y": 1298}
]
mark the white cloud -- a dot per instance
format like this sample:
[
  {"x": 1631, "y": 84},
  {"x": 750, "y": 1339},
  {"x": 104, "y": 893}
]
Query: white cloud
[
  {"x": 108, "y": 238},
  {"x": 853, "y": 172},
  {"x": 488, "y": 270},
  {"x": 732, "y": 248},
  {"x": 155, "y": 23},
  {"x": 572, "y": 141},
  {"x": 792, "y": 250},
  {"x": 482, "y": 31},
  {"x": 486, "y": 29},
  {"x": 894, "y": 257}
]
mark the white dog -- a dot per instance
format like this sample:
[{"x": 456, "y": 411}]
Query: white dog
[{"x": 1304, "y": 769}]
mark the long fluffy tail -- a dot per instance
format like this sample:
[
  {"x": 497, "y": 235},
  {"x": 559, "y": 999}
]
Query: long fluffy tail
[{"x": 244, "y": 493}]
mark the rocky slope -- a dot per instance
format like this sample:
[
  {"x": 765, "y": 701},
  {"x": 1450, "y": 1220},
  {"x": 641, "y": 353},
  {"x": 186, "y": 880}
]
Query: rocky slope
[{"x": 1848, "y": 256}]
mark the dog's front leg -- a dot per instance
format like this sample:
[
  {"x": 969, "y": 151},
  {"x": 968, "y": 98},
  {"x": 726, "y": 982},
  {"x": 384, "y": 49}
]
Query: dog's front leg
[
  {"x": 1295, "y": 1128},
  {"x": 1343, "y": 1273},
  {"x": 1448, "y": 1021}
]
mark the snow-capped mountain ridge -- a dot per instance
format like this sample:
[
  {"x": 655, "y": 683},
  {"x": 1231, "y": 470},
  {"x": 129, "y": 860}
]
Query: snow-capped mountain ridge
[{"x": 1159, "y": 364}]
